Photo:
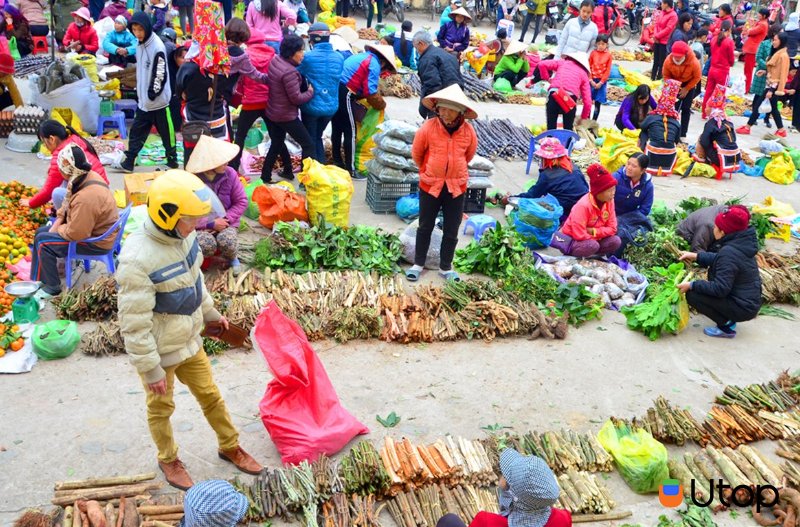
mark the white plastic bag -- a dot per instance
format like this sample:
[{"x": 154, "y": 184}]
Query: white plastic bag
[
  {"x": 409, "y": 240},
  {"x": 737, "y": 86},
  {"x": 79, "y": 96},
  {"x": 765, "y": 106}
]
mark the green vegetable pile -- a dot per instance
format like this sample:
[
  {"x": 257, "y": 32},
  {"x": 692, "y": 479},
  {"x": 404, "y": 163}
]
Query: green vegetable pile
[
  {"x": 662, "y": 312},
  {"x": 498, "y": 254},
  {"x": 296, "y": 248},
  {"x": 693, "y": 516}
]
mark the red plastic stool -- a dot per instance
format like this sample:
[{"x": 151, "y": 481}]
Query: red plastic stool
[{"x": 40, "y": 45}]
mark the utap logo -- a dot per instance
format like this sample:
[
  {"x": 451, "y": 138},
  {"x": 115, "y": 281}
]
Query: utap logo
[{"x": 670, "y": 493}]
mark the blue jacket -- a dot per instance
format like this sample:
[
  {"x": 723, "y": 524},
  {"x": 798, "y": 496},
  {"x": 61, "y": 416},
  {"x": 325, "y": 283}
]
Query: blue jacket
[
  {"x": 566, "y": 187},
  {"x": 629, "y": 199},
  {"x": 445, "y": 18},
  {"x": 361, "y": 74},
  {"x": 322, "y": 66},
  {"x": 409, "y": 60},
  {"x": 452, "y": 35},
  {"x": 115, "y": 39}
]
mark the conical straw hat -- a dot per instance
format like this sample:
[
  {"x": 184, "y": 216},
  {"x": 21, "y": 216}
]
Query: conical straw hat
[
  {"x": 460, "y": 11},
  {"x": 210, "y": 153},
  {"x": 387, "y": 52},
  {"x": 516, "y": 47},
  {"x": 451, "y": 94},
  {"x": 581, "y": 57}
]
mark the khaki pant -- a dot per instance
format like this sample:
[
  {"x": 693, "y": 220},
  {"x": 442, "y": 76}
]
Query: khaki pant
[
  {"x": 8, "y": 81},
  {"x": 195, "y": 373}
]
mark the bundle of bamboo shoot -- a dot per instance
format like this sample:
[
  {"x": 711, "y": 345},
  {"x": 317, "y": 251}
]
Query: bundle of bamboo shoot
[
  {"x": 226, "y": 283},
  {"x": 787, "y": 422},
  {"x": 362, "y": 471},
  {"x": 582, "y": 492},
  {"x": 769, "y": 396},
  {"x": 733, "y": 426},
  {"x": 565, "y": 450},
  {"x": 672, "y": 425},
  {"x": 423, "y": 507},
  {"x": 103, "y": 489},
  {"x": 780, "y": 277},
  {"x": 789, "y": 449}
]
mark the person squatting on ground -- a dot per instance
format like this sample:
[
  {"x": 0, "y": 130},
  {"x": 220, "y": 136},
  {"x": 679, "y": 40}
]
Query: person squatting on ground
[
  {"x": 732, "y": 292},
  {"x": 163, "y": 304},
  {"x": 591, "y": 228},
  {"x": 634, "y": 108},
  {"x": 442, "y": 149},
  {"x": 120, "y": 44},
  {"x": 514, "y": 66},
  {"x": 717, "y": 145},
  {"x": 209, "y": 162},
  {"x": 633, "y": 200},
  {"x": 88, "y": 211},
  {"x": 213, "y": 503}
]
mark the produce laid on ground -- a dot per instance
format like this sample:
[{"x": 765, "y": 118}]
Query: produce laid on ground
[
  {"x": 502, "y": 138},
  {"x": 780, "y": 277},
  {"x": 396, "y": 86},
  {"x": 95, "y": 302},
  {"x": 104, "y": 340},
  {"x": 480, "y": 89},
  {"x": 424, "y": 507},
  {"x": 582, "y": 492},
  {"x": 617, "y": 287},
  {"x": 563, "y": 450},
  {"x": 665, "y": 310},
  {"x": 11, "y": 338}
]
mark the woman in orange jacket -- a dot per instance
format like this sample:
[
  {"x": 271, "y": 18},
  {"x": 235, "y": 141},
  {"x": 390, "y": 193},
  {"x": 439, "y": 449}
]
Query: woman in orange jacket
[
  {"x": 591, "y": 228},
  {"x": 442, "y": 149}
]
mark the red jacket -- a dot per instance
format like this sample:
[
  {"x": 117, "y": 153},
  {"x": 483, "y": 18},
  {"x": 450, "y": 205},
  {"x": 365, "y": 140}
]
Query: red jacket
[
  {"x": 443, "y": 158},
  {"x": 665, "y": 25},
  {"x": 588, "y": 221},
  {"x": 86, "y": 35},
  {"x": 722, "y": 54},
  {"x": 255, "y": 94},
  {"x": 54, "y": 177},
  {"x": 600, "y": 64},
  {"x": 755, "y": 36},
  {"x": 713, "y": 30}
]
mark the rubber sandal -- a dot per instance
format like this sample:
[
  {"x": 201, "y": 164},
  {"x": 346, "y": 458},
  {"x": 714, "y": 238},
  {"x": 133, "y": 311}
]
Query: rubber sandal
[
  {"x": 450, "y": 275},
  {"x": 412, "y": 275}
]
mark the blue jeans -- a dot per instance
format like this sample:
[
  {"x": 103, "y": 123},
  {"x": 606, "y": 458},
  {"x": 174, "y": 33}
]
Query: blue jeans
[{"x": 315, "y": 124}]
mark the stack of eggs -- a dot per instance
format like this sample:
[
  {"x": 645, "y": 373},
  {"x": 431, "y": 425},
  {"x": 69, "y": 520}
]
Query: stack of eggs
[{"x": 27, "y": 119}]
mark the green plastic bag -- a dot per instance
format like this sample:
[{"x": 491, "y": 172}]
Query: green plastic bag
[
  {"x": 502, "y": 85},
  {"x": 252, "y": 211},
  {"x": 794, "y": 153},
  {"x": 55, "y": 340},
  {"x": 641, "y": 460},
  {"x": 13, "y": 49}
]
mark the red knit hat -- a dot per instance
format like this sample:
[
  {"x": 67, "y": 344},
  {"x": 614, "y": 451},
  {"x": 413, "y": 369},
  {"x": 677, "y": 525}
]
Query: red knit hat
[
  {"x": 680, "y": 48},
  {"x": 735, "y": 219},
  {"x": 599, "y": 179},
  {"x": 6, "y": 64}
]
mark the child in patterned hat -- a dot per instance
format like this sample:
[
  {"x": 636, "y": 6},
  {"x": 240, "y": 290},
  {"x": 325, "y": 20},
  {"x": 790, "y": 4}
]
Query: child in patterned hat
[
  {"x": 661, "y": 130},
  {"x": 213, "y": 503},
  {"x": 717, "y": 144}
]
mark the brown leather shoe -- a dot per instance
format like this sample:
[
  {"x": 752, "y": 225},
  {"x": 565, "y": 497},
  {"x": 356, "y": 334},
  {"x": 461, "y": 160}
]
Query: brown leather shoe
[
  {"x": 242, "y": 460},
  {"x": 176, "y": 475}
]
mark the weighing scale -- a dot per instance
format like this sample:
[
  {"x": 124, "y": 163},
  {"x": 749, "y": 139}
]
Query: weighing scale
[{"x": 25, "y": 308}]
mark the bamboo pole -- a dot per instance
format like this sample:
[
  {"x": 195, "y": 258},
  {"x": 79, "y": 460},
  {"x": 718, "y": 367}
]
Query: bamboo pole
[
  {"x": 106, "y": 493},
  {"x": 165, "y": 517},
  {"x": 91, "y": 483},
  {"x": 155, "y": 510},
  {"x": 609, "y": 516}
]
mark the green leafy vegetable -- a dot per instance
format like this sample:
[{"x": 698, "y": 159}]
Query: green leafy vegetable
[
  {"x": 390, "y": 421},
  {"x": 660, "y": 313},
  {"x": 498, "y": 253},
  {"x": 772, "y": 311}
]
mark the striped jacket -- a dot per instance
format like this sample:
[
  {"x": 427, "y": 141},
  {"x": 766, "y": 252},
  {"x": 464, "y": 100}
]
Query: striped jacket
[{"x": 162, "y": 300}]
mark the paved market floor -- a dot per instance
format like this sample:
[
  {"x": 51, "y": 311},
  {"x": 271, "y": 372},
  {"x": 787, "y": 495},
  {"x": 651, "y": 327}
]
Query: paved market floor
[{"x": 84, "y": 417}]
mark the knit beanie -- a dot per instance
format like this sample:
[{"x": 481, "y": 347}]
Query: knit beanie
[
  {"x": 680, "y": 48},
  {"x": 6, "y": 64},
  {"x": 599, "y": 179},
  {"x": 735, "y": 219}
]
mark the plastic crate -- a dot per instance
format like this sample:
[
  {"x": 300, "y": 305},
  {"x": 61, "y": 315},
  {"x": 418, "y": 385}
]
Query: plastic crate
[
  {"x": 382, "y": 197},
  {"x": 475, "y": 200}
]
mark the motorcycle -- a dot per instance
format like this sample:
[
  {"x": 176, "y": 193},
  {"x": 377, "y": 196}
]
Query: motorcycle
[
  {"x": 634, "y": 11},
  {"x": 618, "y": 29},
  {"x": 553, "y": 15},
  {"x": 701, "y": 15}
]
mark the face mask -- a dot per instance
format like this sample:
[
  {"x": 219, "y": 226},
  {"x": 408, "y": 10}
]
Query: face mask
[
  {"x": 678, "y": 62},
  {"x": 80, "y": 23}
]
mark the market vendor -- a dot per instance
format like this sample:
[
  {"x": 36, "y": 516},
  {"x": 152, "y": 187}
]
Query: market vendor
[
  {"x": 660, "y": 132},
  {"x": 717, "y": 144},
  {"x": 213, "y": 503},
  {"x": 436, "y": 69},
  {"x": 682, "y": 65},
  {"x": 528, "y": 490},
  {"x": 634, "y": 108},
  {"x": 55, "y": 137},
  {"x": 633, "y": 200},
  {"x": 360, "y": 76},
  {"x": 120, "y": 44},
  {"x": 558, "y": 176},
  {"x": 442, "y": 149},
  {"x": 569, "y": 79},
  {"x": 514, "y": 66},
  {"x": 9, "y": 92},
  {"x": 18, "y": 28},
  {"x": 162, "y": 307},
  {"x": 698, "y": 227},
  {"x": 732, "y": 292},
  {"x": 209, "y": 162},
  {"x": 88, "y": 211},
  {"x": 453, "y": 37},
  {"x": 591, "y": 228},
  {"x": 81, "y": 37}
]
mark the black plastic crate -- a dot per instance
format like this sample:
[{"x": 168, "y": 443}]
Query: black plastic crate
[
  {"x": 382, "y": 196},
  {"x": 475, "y": 200}
]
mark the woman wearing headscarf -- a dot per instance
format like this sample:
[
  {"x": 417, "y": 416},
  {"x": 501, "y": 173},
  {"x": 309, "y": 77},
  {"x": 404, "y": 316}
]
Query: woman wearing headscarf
[
  {"x": 633, "y": 200},
  {"x": 635, "y": 107},
  {"x": 661, "y": 130},
  {"x": 717, "y": 145},
  {"x": 777, "y": 74},
  {"x": 792, "y": 30},
  {"x": 732, "y": 292},
  {"x": 722, "y": 60},
  {"x": 442, "y": 149},
  {"x": 89, "y": 210},
  {"x": 18, "y": 27}
]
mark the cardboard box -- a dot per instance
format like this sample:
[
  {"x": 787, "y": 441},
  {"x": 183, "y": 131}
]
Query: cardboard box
[{"x": 136, "y": 186}]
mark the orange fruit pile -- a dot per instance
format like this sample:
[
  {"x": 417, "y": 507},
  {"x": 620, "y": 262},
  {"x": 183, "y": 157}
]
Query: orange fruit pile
[{"x": 10, "y": 339}]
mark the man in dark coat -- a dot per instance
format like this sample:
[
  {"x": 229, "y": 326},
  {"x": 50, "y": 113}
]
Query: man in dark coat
[
  {"x": 698, "y": 227},
  {"x": 437, "y": 69}
]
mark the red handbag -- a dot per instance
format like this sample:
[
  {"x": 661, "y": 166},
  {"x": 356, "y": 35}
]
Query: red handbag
[{"x": 565, "y": 100}]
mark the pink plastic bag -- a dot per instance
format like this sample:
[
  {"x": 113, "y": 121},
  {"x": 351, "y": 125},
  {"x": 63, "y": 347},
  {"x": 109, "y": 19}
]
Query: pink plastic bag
[
  {"x": 22, "y": 269},
  {"x": 300, "y": 408}
]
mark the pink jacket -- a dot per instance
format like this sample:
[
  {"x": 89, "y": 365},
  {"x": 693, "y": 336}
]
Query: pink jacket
[
  {"x": 255, "y": 94},
  {"x": 589, "y": 220},
  {"x": 665, "y": 25},
  {"x": 271, "y": 28},
  {"x": 33, "y": 10},
  {"x": 570, "y": 76}
]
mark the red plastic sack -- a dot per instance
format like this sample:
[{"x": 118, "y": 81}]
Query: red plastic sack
[{"x": 300, "y": 408}]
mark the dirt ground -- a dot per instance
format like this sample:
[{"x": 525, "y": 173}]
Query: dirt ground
[{"x": 83, "y": 417}]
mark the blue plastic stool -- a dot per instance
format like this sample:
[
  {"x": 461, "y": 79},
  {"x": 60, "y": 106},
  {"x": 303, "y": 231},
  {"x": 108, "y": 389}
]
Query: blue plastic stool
[
  {"x": 126, "y": 105},
  {"x": 115, "y": 120},
  {"x": 479, "y": 224},
  {"x": 568, "y": 138},
  {"x": 108, "y": 258}
]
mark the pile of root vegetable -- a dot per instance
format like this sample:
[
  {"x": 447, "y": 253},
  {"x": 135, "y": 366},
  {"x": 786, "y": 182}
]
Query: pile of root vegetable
[
  {"x": 396, "y": 86},
  {"x": 617, "y": 287},
  {"x": 502, "y": 138},
  {"x": 95, "y": 302}
]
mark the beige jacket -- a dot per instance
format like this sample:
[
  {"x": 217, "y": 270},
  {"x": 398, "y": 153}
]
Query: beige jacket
[
  {"x": 162, "y": 300},
  {"x": 778, "y": 71}
]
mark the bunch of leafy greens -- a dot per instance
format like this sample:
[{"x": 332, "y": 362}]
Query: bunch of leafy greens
[
  {"x": 297, "y": 248},
  {"x": 498, "y": 254},
  {"x": 692, "y": 516},
  {"x": 661, "y": 313}
]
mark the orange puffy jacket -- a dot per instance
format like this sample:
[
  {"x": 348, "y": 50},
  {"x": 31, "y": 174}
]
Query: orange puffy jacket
[{"x": 443, "y": 158}]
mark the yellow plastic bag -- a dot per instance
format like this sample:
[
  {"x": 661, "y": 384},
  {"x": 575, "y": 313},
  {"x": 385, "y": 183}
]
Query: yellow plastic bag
[
  {"x": 780, "y": 210},
  {"x": 683, "y": 310},
  {"x": 329, "y": 190},
  {"x": 89, "y": 63},
  {"x": 635, "y": 79},
  {"x": 365, "y": 133},
  {"x": 780, "y": 169},
  {"x": 478, "y": 63},
  {"x": 120, "y": 199},
  {"x": 617, "y": 148},
  {"x": 642, "y": 461},
  {"x": 328, "y": 19},
  {"x": 327, "y": 6},
  {"x": 66, "y": 117},
  {"x": 112, "y": 85}
]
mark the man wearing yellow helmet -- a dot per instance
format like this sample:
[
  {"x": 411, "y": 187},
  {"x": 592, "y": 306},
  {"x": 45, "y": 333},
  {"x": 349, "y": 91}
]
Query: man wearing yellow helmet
[{"x": 163, "y": 304}]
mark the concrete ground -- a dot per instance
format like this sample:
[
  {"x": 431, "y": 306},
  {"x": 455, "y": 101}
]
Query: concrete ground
[{"x": 83, "y": 417}]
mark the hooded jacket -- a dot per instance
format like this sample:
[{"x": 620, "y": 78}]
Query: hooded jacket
[
  {"x": 162, "y": 300},
  {"x": 628, "y": 198},
  {"x": 152, "y": 72},
  {"x": 285, "y": 91},
  {"x": 120, "y": 39},
  {"x": 437, "y": 70},
  {"x": 256, "y": 94},
  {"x": 733, "y": 271},
  {"x": 323, "y": 67}
]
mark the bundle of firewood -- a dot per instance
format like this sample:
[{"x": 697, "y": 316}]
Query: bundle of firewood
[{"x": 423, "y": 507}]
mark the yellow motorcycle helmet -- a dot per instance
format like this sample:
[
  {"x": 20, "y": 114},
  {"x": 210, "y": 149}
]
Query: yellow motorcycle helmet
[{"x": 177, "y": 194}]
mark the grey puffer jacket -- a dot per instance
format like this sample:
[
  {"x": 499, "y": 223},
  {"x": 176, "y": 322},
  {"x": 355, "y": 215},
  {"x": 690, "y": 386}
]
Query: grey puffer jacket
[{"x": 698, "y": 227}]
